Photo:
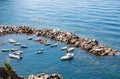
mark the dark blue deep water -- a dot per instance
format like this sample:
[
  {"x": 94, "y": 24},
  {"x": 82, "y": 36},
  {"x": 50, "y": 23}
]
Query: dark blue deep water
[{"x": 98, "y": 19}]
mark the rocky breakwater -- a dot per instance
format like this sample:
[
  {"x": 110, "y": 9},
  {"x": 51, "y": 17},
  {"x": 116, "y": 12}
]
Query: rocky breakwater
[
  {"x": 90, "y": 45},
  {"x": 46, "y": 76}
]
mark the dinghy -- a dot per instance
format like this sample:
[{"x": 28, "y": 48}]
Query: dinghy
[{"x": 68, "y": 56}]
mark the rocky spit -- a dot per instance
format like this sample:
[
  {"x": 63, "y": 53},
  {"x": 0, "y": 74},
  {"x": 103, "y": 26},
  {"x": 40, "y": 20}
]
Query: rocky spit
[
  {"x": 45, "y": 76},
  {"x": 90, "y": 45}
]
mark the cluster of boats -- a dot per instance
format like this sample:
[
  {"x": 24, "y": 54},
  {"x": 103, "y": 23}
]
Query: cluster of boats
[
  {"x": 15, "y": 52},
  {"x": 18, "y": 54},
  {"x": 69, "y": 50}
]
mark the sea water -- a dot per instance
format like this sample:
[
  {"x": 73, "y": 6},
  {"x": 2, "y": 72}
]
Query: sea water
[{"x": 97, "y": 19}]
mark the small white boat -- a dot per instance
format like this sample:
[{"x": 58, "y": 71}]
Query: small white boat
[
  {"x": 30, "y": 38},
  {"x": 15, "y": 56},
  {"x": 54, "y": 45},
  {"x": 17, "y": 44},
  {"x": 18, "y": 52},
  {"x": 41, "y": 49},
  {"x": 70, "y": 49},
  {"x": 38, "y": 52},
  {"x": 5, "y": 50},
  {"x": 64, "y": 48},
  {"x": 12, "y": 41},
  {"x": 14, "y": 49},
  {"x": 68, "y": 56},
  {"x": 23, "y": 46}
]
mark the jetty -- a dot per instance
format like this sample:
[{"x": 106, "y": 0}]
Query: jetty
[{"x": 87, "y": 44}]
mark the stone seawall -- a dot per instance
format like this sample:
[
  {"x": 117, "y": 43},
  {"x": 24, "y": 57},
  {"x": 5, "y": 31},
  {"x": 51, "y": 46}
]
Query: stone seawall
[{"x": 90, "y": 45}]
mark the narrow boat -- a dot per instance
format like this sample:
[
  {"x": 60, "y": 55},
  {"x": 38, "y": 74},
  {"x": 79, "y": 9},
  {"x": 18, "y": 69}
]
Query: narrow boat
[
  {"x": 23, "y": 46},
  {"x": 38, "y": 39},
  {"x": 70, "y": 49},
  {"x": 64, "y": 48},
  {"x": 14, "y": 49},
  {"x": 18, "y": 52},
  {"x": 54, "y": 45},
  {"x": 11, "y": 55},
  {"x": 17, "y": 44},
  {"x": 5, "y": 50},
  {"x": 41, "y": 40},
  {"x": 38, "y": 52},
  {"x": 68, "y": 56},
  {"x": 12, "y": 41},
  {"x": 30, "y": 38}
]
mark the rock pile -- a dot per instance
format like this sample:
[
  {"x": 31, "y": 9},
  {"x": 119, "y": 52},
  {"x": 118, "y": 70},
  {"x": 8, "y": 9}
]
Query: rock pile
[
  {"x": 46, "y": 76},
  {"x": 90, "y": 45}
]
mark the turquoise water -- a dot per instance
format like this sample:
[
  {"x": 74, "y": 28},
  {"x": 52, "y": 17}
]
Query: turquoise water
[{"x": 98, "y": 19}]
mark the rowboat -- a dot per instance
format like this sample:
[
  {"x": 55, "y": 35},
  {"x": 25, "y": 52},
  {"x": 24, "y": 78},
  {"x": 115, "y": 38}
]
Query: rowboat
[
  {"x": 38, "y": 52},
  {"x": 12, "y": 41},
  {"x": 54, "y": 45},
  {"x": 68, "y": 56},
  {"x": 23, "y": 46},
  {"x": 11, "y": 55},
  {"x": 5, "y": 50},
  {"x": 64, "y": 48},
  {"x": 70, "y": 49}
]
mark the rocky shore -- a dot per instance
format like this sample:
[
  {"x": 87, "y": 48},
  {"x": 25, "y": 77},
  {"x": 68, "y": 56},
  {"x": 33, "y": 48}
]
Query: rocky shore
[
  {"x": 46, "y": 76},
  {"x": 90, "y": 45}
]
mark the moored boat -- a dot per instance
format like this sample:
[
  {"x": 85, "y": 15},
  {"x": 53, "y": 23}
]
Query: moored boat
[
  {"x": 54, "y": 45},
  {"x": 17, "y": 44},
  {"x": 64, "y": 48},
  {"x": 41, "y": 40},
  {"x": 5, "y": 50},
  {"x": 12, "y": 41},
  {"x": 14, "y": 49},
  {"x": 38, "y": 52},
  {"x": 18, "y": 52},
  {"x": 11, "y": 55},
  {"x": 30, "y": 38},
  {"x": 68, "y": 56},
  {"x": 24, "y": 46},
  {"x": 70, "y": 49},
  {"x": 41, "y": 49}
]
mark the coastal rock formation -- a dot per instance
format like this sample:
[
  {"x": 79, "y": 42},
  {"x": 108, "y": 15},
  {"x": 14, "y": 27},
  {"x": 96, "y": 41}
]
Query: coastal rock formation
[
  {"x": 90, "y": 45},
  {"x": 8, "y": 72},
  {"x": 45, "y": 76}
]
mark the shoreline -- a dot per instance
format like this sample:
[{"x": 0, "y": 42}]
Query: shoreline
[{"x": 89, "y": 45}]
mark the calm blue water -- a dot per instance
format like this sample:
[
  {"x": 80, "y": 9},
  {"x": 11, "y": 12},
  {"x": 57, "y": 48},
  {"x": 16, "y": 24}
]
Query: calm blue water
[{"x": 99, "y": 19}]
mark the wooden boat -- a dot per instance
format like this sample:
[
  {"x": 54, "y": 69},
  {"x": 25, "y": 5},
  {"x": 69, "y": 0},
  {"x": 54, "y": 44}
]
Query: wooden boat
[
  {"x": 68, "y": 56},
  {"x": 41, "y": 40},
  {"x": 11, "y": 55},
  {"x": 5, "y": 50},
  {"x": 12, "y": 41}
]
